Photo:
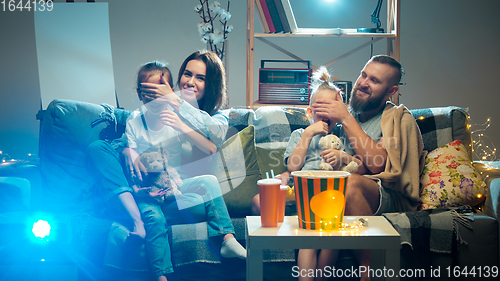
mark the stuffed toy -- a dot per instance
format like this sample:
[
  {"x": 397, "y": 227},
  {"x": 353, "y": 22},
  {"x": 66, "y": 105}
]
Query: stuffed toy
[
  {"x": 163, "y": 179},
  {"x": 333, "y": 142}
]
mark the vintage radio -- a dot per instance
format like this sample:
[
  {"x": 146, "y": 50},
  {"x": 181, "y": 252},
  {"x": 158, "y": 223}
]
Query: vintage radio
[
  {"x": 346, "y": 88},
  {"x": 284, "y": 85}
]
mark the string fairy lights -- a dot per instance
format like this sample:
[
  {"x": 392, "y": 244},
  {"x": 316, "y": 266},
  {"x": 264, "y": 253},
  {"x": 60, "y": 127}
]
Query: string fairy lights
[
  {"x": 357, "y": 225},
  {"x": 7, "y": 160},
  {"x": 482, "y": 146}
]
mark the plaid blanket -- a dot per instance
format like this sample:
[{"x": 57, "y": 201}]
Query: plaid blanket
[
  {"x": 434, "y": 229},
  {"x": 273, "y": 124}
]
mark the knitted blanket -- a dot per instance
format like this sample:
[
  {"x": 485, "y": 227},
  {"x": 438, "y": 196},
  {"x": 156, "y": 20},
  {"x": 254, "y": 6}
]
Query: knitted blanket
[{"x": 435, "y": 229}]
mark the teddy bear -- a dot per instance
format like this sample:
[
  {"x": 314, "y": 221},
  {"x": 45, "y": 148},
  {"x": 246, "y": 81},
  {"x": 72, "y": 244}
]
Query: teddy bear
[
  {"x": 163, "y": 179},
  {"x": 333, "y": 142}
]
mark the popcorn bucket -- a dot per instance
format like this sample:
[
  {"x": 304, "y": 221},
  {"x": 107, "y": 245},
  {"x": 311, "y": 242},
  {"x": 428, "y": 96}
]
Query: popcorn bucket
[{"x": 320, "y": 197}]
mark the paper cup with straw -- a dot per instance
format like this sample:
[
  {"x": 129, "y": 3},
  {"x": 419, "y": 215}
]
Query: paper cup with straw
[
  {"x": 320, "y": 197},
  {"x": 269, "y": 192}
]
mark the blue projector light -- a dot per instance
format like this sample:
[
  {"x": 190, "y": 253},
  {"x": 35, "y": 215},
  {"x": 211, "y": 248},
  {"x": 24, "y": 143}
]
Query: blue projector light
[{"x": 41, "y": 230}]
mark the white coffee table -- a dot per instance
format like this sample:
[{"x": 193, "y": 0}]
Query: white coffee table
[{"x": 379, "y": 236}]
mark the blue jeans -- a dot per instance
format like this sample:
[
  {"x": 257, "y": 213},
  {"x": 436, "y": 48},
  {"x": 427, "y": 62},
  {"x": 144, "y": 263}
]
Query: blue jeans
[
  {"x": 105, "y": 166},
  {"x": 201, "y": 201}
]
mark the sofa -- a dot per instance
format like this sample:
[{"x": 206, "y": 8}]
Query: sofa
[{"x": 61, "y": 186}]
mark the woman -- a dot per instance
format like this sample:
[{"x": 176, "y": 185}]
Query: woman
[
  {"x": 201, "y": 128},
  {"x": 202, "y": 84}
]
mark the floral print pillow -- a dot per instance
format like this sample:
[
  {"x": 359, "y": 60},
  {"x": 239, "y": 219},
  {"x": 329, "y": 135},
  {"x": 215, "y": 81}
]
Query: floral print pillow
[{"x": 449, "y": 179}]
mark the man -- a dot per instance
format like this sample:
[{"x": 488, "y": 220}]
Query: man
[{"x": 385, "y": 137}]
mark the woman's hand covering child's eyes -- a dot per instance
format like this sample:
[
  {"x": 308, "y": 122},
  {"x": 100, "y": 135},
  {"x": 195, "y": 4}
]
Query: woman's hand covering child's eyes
[{"x": 154, "y": 90}]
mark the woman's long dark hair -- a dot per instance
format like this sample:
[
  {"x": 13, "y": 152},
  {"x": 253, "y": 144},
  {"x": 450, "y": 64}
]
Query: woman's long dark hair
[{"x": 214, "y": 97}]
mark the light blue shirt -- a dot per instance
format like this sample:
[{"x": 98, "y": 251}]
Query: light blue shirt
[{"x": 313, "y": 158}]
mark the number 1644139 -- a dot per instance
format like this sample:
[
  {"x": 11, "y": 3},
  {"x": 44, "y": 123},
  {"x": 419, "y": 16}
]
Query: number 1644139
[{"x": 26, "y": 5}]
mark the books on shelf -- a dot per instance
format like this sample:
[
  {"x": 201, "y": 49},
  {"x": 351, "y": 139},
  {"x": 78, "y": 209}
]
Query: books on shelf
[
  {"x": 265, "y": 16},
  {"x": 262, "y": 17},
  {"x": 282, "y": 15},
  {"x": 276, "y": 16},
  {"x": 289, "y": 15}
]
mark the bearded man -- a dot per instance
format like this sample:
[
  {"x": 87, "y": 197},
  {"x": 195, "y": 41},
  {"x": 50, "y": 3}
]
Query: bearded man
[{"x": 384, "y": 136}]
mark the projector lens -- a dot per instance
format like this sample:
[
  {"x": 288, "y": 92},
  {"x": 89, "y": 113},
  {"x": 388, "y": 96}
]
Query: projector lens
[{"x": 41, "y": 229}]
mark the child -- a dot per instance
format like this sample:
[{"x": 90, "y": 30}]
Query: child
[
  {"x": 304, "y": 153},
  {"x": 145, "y": 131}
]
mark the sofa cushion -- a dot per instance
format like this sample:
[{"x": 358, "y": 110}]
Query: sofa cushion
[
  {"x": 442, "y": 125},
  {"x": 236, "y": 168},
  {"x": 271, "y": 160},
  {"x": 449, "y": 179}
]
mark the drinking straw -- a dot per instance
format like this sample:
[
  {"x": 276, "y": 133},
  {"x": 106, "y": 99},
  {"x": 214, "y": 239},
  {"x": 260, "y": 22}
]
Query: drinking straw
[
  {"x": 267, "y": 175},
  {"x": 272, "y": 174}
]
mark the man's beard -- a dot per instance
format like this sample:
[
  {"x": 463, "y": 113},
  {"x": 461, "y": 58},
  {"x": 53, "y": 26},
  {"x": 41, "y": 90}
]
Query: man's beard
[{"x": 359, "y": 106}]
